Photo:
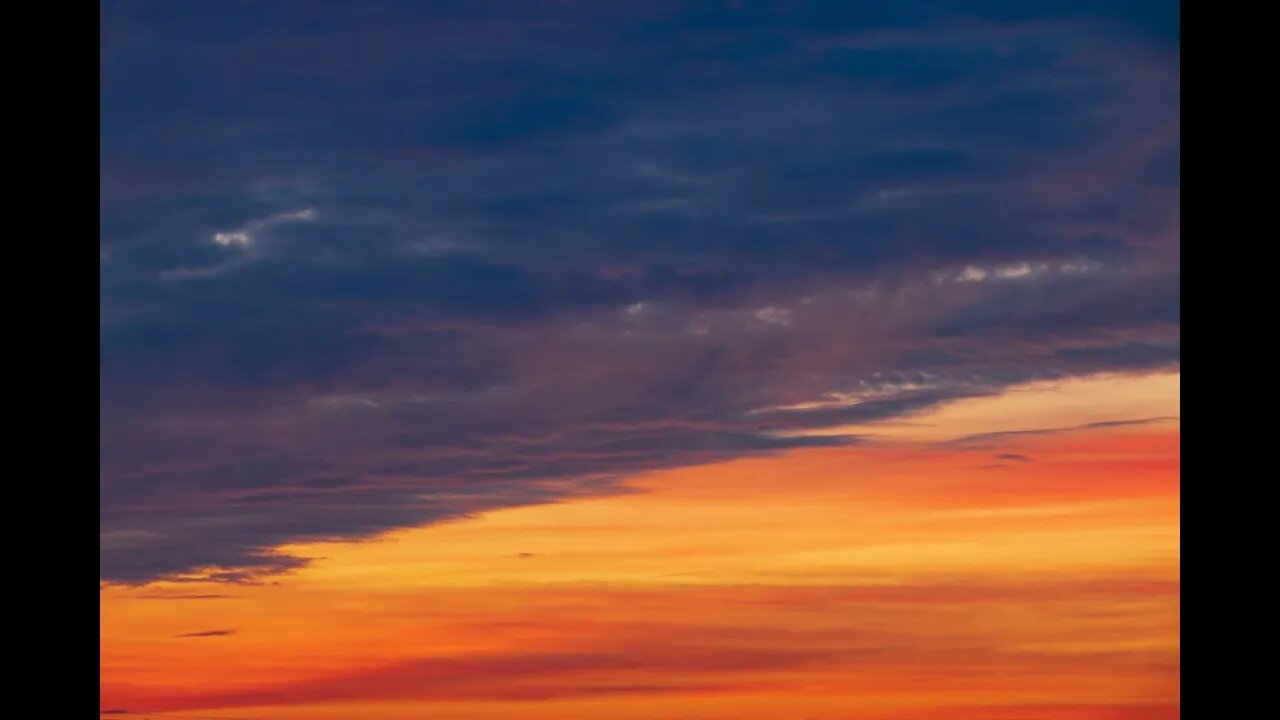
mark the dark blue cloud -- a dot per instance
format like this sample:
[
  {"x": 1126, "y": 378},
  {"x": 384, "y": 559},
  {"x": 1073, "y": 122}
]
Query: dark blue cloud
[{"x": 372, "y": 265}]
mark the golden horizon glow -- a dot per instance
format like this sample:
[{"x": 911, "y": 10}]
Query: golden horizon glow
[{"x": 1037, "y": 577}]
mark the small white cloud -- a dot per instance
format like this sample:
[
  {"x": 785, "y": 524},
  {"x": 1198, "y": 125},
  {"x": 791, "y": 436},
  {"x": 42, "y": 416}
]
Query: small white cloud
[
  {"x": 863, "y": 391},
  {"x": 773, "y": 316},
  {"x": 227, "y": 239},
  {"x": 244, "y": 236},
  {"x": 1015, "y": 271},
  {"x": 1018, "y": 270},
  {"x": 635, "y": 309},
  {"x": 1079, "y": 267}
]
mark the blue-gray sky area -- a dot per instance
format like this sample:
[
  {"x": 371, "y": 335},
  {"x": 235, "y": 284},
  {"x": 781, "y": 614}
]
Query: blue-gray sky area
[{"x": 371, "y": 265}]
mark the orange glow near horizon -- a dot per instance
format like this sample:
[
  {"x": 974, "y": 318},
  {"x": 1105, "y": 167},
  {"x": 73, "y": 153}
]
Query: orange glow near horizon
[{"x": 1030, "y": 576}]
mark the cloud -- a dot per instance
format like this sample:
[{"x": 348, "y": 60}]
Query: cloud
[
  {"x": 244, "y": 237},
  {"x": 206, "y": 633},
  {"x": 227, "y": 239},
  {"x": 203, "y": 596},
  {"x": 452, "y": 280},
  {"x": 992, "y": 439},
  {"x": 1129, "y": 354}
]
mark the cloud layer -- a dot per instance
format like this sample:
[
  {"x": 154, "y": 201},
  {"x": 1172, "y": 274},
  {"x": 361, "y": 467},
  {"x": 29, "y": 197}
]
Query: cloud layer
[{"x": 369, "y": 267}]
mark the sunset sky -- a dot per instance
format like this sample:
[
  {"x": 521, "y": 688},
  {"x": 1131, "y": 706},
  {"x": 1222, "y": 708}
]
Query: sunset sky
[{"x": 658, "y": 360}]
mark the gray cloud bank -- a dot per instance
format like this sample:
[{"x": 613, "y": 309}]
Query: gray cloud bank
[{"x": 368, "y": 267}]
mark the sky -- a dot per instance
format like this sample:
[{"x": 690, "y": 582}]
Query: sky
[{"x": 690, "y": 360}]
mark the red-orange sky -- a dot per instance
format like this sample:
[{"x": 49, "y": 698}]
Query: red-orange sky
[{"x": 1005, "y": 578}]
